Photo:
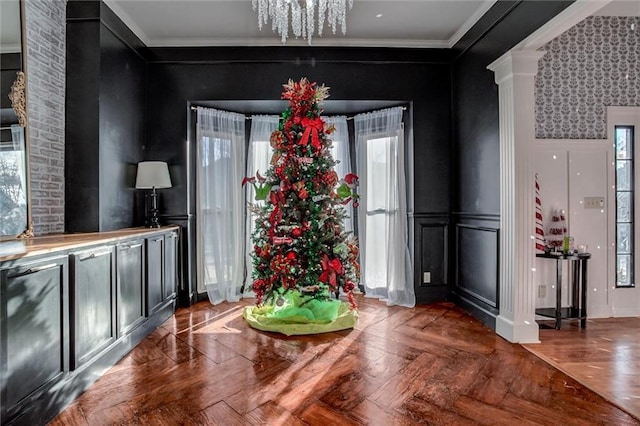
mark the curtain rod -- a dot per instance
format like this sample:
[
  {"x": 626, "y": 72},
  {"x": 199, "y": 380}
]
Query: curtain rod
[{"x": 194, "y": 108}]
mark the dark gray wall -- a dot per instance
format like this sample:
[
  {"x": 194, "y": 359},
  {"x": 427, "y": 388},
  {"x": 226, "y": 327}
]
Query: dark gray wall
[
  {"x": 476, "y": 203},
  {"x": 179, "y": 76},
  {"x": 453, "y": 111},
  {"x": 105, "y": 115},
  {"x": 421, "y": 78},
  {"x": 122, "y": 115}
]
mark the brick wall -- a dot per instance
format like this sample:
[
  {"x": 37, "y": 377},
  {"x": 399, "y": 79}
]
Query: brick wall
[{"x": 45, "y": 30}]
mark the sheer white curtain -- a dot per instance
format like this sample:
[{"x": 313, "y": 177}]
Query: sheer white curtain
[
  {"x": 382, "y": 216},
  {"x": 258, "y": 159},
  {"x": 340, "y": 152},
  {"x": 220, "y": 215}
]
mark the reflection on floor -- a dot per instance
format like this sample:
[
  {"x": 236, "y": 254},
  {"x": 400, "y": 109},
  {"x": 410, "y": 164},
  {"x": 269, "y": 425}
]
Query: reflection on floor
[
  {"x": 432, "y": 364},
  {"x": 605, "y": 357}
]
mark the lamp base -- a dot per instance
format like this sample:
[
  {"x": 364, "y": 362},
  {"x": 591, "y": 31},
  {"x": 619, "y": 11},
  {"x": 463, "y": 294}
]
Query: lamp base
[{"x": 153, "y": 221}]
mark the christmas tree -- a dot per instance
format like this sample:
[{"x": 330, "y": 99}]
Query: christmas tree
[{"x": 302, "y": 254}]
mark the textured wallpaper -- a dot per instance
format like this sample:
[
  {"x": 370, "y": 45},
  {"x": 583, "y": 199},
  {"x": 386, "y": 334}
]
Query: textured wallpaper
[{"x": 591, "y": 66}]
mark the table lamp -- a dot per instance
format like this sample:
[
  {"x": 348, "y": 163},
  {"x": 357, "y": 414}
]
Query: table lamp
[{"x": 153, "y": 175}]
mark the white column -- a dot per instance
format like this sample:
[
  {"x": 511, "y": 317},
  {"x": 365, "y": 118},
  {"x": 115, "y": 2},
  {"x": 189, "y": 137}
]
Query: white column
[{"x": 514, "y": 74}]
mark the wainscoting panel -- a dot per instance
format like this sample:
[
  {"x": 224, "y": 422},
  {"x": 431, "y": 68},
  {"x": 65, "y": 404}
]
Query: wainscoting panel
[
  {"x": 431, "y": 258},
  {"x": 476, "y": 285},
  {"x": 477, "y": 260}
]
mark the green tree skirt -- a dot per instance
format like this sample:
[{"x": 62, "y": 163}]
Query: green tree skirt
[{"x": 297, "y": 316}]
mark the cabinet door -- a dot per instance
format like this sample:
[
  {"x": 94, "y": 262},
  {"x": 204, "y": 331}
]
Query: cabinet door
[
  {"x": 170, "y": 265},
  {"x": 34, "y": 347},
  {"x": 154, "y": 273},
  {"x": 130, "y": 287},
  {"x": 93, "y": 290}
]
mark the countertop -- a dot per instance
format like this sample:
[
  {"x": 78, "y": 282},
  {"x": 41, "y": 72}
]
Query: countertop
[{"x": 20, "y": 248}]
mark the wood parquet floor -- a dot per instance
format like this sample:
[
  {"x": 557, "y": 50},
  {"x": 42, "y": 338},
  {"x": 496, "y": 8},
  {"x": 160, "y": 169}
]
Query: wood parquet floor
[
  {"x": 605, "y": 357},
  {"x": 431, "y": 364}
]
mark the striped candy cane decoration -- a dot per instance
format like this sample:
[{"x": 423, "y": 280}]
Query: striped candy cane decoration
[{"x": 539, "y": 228}]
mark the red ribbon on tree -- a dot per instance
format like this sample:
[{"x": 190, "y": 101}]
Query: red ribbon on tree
[
  {"x": 330, "y": 270},
  {"x": 311, "y": 128},
  {"x": 277, "y": 199}
]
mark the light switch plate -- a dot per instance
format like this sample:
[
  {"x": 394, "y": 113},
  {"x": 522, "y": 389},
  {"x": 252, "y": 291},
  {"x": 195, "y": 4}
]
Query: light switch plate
[
  {"x": 593, "y": 202},
  {"x": 542, "y": 291}
]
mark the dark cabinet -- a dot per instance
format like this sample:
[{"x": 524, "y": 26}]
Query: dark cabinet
[
  {"x": 130, "y": 285},
  {"x": 93, "y": 303},
  {"x": 69, "y": 311},
  {"x": 170, "y": 265},
  {"x": 155, "y": 273},
  {"x": 162, "y": 269},
  {"x": 34, "y": 345}
]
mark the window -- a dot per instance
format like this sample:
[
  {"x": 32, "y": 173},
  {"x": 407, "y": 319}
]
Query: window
[
  {"x": 340, "y": 152},
  {"x": 382, "y": 217},
  {"x": 13, "y": 201},
  {"x": 258, "y": 161},
  {"x": 224, "y": 242},
  {"x": 220, "y": 154},
  {"x": 381, "y": 205},
  {"x": 216, "y": 209},
  {"x": 624, "y": 206}
]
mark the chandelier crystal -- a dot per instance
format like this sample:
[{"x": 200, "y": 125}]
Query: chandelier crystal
[{"x": 302, "y": 15}]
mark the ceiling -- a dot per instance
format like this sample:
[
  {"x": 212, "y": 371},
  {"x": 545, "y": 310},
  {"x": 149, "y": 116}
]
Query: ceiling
[
  {"x": 403, "y": 23},
  {"x": 371, "y": 23}
]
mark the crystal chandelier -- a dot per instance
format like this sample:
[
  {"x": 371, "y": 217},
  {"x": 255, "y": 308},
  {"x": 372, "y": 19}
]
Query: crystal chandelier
[{"x": 302, "y": 13}]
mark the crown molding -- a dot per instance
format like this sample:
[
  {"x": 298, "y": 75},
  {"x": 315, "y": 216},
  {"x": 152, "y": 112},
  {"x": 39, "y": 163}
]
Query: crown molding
[
  {"x": 469, "y": 23},
  {"x": 578, "y": 11},
  {"x": 127, "y": 20}
]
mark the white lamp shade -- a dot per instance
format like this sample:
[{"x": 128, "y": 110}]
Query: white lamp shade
[{"x": 153, "y": 174}]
